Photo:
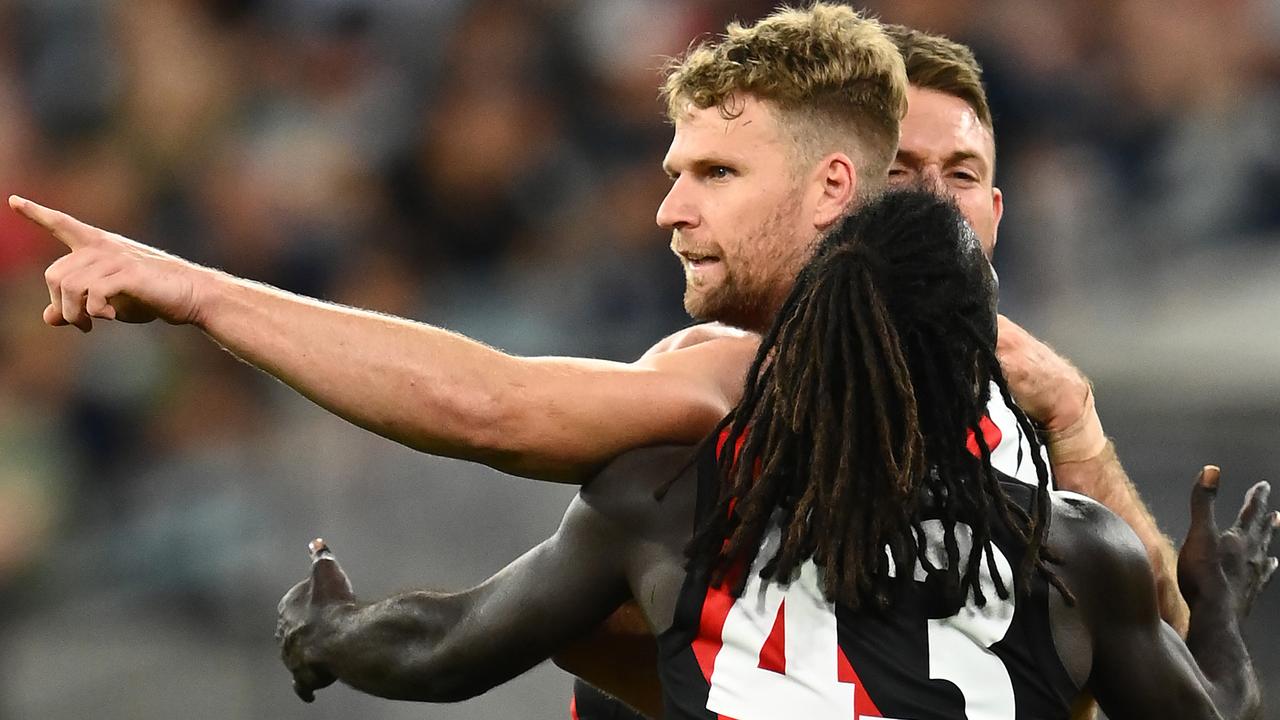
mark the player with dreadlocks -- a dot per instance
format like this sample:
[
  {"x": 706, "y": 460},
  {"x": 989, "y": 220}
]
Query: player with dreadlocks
[
  {"x": 799, "y": 563},
  {"x": 854, "y": 422}
]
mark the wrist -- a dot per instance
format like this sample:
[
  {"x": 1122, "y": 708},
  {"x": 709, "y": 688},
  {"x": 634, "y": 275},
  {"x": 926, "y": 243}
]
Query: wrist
[
  {"x": 326, "y": 632},
  {"x": 1080, "y": 441},
  {"x": 204, "y": 283},
  {"x": 213, "y": 295}
]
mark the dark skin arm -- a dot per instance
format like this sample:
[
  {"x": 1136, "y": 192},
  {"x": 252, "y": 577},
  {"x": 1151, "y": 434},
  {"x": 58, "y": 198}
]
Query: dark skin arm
[
  {"x": 440, "y": 647},
  {"x": 1222, "y": 574},
  {"x": 1052, "y": 391},
  {"x": 616, "y": 537},
  {"x": 1116, "y": 628}
]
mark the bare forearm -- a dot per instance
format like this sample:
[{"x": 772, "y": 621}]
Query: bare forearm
[
  {"x": 552, "y": 418},
  {"x": 409, "y": 647},
  {"x": 1218, "y": 648},
  {"x": 1057, "y": 395},
  {"x": 1103, "y": 478},
  {"x": 442, "y": 393},
  {"x": 416, "y": 384}
]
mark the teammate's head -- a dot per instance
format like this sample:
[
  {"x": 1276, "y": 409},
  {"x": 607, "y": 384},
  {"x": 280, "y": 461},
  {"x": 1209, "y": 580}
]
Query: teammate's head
[
  {"x": 778, "y": 127},
  {"x": 948, "y": 139},
  {"x": 859, "y": 407}
]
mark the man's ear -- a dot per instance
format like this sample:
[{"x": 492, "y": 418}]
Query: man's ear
[
  {"x": 837, "y": 183},
  {"x": 997, "y": 212}
]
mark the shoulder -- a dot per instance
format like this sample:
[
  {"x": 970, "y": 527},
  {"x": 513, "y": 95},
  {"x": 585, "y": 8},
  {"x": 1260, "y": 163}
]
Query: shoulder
[
  {"x": 698, "y": 334},
  {"x": 717, "y": 367},
  {"x": 1082, "y": 528},
  {"x": 1104, "y": 563}
]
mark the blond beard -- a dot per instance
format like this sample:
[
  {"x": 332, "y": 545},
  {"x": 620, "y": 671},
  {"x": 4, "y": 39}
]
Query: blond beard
[{"x": 753, "y": 290}]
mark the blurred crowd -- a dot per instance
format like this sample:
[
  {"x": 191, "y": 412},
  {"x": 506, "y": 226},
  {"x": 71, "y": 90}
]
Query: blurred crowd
[{"x": 492, "y": 166}]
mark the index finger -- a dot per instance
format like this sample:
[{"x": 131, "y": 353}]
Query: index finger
[
  {"x": 73, "y": 233},
  {"x": 1253, "y": 514}
]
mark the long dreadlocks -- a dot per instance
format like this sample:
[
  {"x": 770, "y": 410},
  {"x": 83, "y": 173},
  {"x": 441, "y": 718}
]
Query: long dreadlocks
[{"x": 857, "y": 412}]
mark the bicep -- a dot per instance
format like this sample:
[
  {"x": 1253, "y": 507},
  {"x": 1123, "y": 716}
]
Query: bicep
[
  {"x": 548, "y": 598},
  {"x": 574, "y": 415}
]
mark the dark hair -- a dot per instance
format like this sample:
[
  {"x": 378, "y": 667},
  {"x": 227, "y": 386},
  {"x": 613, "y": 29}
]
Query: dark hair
[{"x": 857, "y": 412}]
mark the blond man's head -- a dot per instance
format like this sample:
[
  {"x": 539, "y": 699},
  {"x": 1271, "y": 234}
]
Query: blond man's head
[{"x": 834, "y": 80}]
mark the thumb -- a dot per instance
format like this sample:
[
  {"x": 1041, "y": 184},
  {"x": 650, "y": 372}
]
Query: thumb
[
  {"x": 1202, "y": 497},
  {"x": 53, "y": 316},
  {"x": 73, "y": 233},
  {"x": 328, "y": 581}
]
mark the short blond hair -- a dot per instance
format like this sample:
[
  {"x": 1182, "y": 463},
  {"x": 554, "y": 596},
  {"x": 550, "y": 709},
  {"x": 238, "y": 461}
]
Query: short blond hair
[
  {"x": 936, "y": 62},
  {"x": 834, "y": 79}
]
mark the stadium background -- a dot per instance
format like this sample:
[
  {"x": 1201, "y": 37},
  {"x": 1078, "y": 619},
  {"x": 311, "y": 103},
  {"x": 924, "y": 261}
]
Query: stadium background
[{"x": 492, "y": 165}]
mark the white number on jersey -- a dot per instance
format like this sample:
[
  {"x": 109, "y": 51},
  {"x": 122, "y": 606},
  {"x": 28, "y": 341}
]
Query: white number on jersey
[{"x": 806, "y": 682}]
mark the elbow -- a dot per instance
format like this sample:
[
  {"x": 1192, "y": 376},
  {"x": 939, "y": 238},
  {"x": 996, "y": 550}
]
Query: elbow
[
  {"x": 498, "y": 430},
  {"x": 450, "y": 687},
  {"x": 482, "y": 421},
  {"x": 510, "y": 430},
  {"x": 467, "y": 422},
  {"x": 425, "y": 676},
  {"x": 455, "y": 676}
]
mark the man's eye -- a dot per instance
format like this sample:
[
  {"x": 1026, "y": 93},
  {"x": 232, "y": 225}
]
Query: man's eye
[
  {"x": 964, "y": 176},
  {"x": 719, "y": 172}
]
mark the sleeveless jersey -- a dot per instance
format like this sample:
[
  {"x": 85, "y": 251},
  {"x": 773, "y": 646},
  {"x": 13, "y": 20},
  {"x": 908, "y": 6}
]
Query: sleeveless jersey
[
  {"x": 1010, "y": 454},
  {"x": 785, "y": 652}
]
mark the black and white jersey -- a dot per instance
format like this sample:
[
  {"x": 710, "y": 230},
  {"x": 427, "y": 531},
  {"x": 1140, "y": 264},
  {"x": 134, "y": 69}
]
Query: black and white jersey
[{"x": 785, "y": 652}]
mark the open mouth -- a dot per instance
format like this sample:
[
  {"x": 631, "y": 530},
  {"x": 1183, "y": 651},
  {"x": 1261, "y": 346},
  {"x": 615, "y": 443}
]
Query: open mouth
[{"x": 696, "y": 260}]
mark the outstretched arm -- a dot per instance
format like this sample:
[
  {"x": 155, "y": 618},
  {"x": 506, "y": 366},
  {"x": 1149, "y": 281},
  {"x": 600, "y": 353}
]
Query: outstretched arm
[
  {"x": 443, "y": 647},
  {"x": 1054, "y": 393},
  {"x": 549, "y": 418},
  {"x": 440, "y": 647},
  {"x": 1209, "y": 677}
]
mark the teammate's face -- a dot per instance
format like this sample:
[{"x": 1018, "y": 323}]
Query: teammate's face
[
  {"x": 945, "y": 146},
  {"x": 737, "y": 214}
]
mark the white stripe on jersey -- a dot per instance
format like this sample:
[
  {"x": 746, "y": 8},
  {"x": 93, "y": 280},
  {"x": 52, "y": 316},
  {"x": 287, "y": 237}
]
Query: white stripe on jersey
[{"x": 1013, "y": 455}]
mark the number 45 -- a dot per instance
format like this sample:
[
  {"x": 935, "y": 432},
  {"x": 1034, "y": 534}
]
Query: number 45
[{"x": 780, "y": 655}]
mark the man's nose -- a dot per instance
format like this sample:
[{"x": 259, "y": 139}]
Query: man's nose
[
  {"x": 931, "y": 179},
  {"x": 677, "y": 211}
]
